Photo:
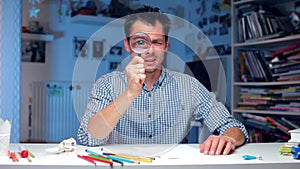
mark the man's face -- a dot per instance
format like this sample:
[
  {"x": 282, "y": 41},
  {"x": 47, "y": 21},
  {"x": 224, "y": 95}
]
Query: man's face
[{"x": 155, "y": 55}]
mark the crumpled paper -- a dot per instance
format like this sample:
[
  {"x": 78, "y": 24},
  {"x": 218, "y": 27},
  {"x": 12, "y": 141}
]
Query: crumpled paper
[{"x": 5, "y": 127}]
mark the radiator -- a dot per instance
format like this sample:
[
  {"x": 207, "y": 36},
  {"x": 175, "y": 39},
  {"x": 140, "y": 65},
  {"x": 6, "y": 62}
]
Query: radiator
[{"x": 56, "y": 109}]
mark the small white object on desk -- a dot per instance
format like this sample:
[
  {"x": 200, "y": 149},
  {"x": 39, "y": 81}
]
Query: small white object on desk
[
  {"x": 295, "y": 135},
  {"x": 66, "y": 147}
]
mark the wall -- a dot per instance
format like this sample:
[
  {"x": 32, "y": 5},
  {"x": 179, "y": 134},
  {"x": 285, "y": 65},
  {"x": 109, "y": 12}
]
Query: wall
[
  {"x": 60, "y": 60},
  {"x": 10, "y": 78}
]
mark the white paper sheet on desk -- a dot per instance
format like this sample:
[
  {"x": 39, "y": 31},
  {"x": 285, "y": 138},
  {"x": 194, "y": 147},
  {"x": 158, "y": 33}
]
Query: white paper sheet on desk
[
  {"x": 146, "y": 150},
  {"x": 190, "y": 154},
  {"x": 181, "y": 153}
]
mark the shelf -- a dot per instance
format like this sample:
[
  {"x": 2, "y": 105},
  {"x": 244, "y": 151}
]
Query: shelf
[
  {"x": 235, "y": 3},
  {"x": 267, "y": 112},
  {"x": 38, "y": 37},
  {"x": 266, "y": 83},
  {"x": 269, "y": 41},
  {"x": 96, "y": 20},
  {"x": 42, "y": 37}
]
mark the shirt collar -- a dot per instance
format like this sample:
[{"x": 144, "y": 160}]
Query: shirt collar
[{"x": 162, "y": 80}]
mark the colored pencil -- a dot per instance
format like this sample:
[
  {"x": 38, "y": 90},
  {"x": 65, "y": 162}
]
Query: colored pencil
[
  {"x": 13, "y": 156},
  {"x": 87, "y": 159},
  {"x": 31, "y": 154},
  {"x": 97, "y": 159},
  {"x": 131, "y": 157},
  {"x": 100, "y": 158},
  {"x": 99, "y": 155},
  {"x": 122, "y": 159}
]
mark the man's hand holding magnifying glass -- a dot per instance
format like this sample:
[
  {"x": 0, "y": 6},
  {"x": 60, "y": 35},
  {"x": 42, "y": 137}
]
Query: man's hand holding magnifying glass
[
  {"x": 136, "y": 75},
  {"x": 139, "y": 44}
]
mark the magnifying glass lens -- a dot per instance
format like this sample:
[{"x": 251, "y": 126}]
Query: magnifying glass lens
[{"x": 140, "y": 43}]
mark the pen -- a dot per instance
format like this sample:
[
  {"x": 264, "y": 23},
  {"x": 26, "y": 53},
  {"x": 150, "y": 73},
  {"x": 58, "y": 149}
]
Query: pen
[
  {"x": 249, "y": 157},
  {"x": 87, "y": 159}
]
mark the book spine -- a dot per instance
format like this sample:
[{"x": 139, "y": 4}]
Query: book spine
[
  {"x": 265, "y": 66},
  {"x": 289, "y": 122},
  {"x": 280, "y": 126},
  {"x": 280, "y": 51}
]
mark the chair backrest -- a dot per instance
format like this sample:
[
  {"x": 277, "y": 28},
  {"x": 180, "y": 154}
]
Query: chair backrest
[{"x": 198, "y": 70}]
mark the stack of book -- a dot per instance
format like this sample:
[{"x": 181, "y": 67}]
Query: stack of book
[
  {"x": 268, "y": 128},
  {"x": 258, "y": 65},
  {"x": 257, "y": 22},
  {"x": 286, "y": 63},
  {"x": 280, "y": 98},
  {"x": 254, "y": 66}
]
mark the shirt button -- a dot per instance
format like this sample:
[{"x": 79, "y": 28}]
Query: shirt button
[
  {"x": 149, "y": 94},
  {"x": 150, "y": 136},
  {"x": 149, "y": 115}
]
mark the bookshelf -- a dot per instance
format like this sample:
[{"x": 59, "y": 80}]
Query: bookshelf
[{"x": 265, "y": 69}]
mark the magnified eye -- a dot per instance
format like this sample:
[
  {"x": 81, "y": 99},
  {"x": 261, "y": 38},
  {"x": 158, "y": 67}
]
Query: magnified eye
[{"x": 140, "y": 43}]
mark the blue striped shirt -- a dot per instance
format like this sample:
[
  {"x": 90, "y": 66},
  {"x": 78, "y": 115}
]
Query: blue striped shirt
[{"x": 160, "y": 116}]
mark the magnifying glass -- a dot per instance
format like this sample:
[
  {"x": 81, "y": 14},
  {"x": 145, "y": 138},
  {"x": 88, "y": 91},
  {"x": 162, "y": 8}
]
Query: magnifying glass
[{"x": 140, "y": 43}]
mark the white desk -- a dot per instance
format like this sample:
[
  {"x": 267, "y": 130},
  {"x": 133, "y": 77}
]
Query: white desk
[{"x": 185, "y": 156}]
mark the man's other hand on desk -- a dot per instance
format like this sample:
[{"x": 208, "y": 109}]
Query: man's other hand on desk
[
  {"x": 223, "y": 144},
  {"x": 217, "y": 145}
]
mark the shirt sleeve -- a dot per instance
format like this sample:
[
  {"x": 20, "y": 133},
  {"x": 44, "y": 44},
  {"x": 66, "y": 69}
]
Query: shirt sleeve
[
  {"x": 99, "y": 98},
  {"x": 213, "y": 113}
]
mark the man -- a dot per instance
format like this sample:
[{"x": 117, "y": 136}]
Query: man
[{"x": 149, "y": 104}]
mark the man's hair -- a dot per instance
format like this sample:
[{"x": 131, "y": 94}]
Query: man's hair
[{"x": 149, "y": 15}]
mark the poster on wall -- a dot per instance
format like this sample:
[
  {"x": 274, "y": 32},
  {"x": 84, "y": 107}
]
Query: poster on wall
[
  {"x": 116, "y": 50},
  {"x": 80, "y": 47},
  {"x": 97, "y": 49},
  {"x": 213, "y": 19},
  {"x": 33, "y": 51}
]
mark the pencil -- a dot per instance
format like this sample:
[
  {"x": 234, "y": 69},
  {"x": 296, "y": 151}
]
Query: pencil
[
  {"x": 92, "y": 152},
  {"x": 13, "y": 156},
  {"x": 122, "y": 159},
  {"x": 141, "y": 159},
  {"x": 136, "y": 158},
  {"x": 99, "y": 155},
  {"x": 87, "y": 159},
  {"x": 29, "y": 159},
  {"x": 100, "y": 160},
  {"x": 31, "y": 154}
]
